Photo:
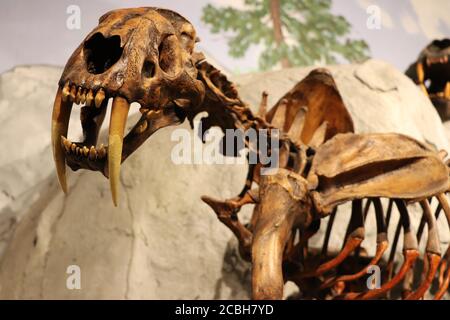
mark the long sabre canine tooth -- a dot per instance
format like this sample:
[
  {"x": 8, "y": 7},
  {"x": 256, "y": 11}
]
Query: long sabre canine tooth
[
  {"x": 447, "y": 90},
  {"x": 119, "y": 114},
  {"x": 420, "y": 72},
  {"x": 421, "y": 77},
  {"x": 60, "y": 125}
]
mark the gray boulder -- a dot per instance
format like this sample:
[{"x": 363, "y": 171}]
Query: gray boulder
[{"x": 26, "y": 99}]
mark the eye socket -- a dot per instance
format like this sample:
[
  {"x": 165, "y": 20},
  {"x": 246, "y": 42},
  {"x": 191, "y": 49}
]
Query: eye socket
[
  {"x": 101, "y": 53},
  {"x": 169, "y": 55},
  {"x": 148, "y": 69},
  {"x": 441, "y": 44}
]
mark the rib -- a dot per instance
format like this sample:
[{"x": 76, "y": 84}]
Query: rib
[
  {"x": 248, "y": 180},
  {"x": 409, "y": 278},
  {"x": 382, "y": 245},
  {"x": 326, "y": 239},
  {"x": 410, "y": 252},
  {"x": 279, "y": 117},
  {"x": 319, "y": 135},
  {"x": 389, "y": 212},
  {"x": 295, "y": 131},
  {"x": 300, "y": 249},
  {"x": 433, "y": 252},
  {"x": 355, "y": 237},
  {"x": 444, "y": 282},
  {"x": 263, "y": 105},
  {"x": 444, "y": 276}
]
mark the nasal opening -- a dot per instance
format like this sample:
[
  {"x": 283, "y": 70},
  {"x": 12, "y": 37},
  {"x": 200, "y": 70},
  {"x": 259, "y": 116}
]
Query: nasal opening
[{"x": 101, "y": 53}]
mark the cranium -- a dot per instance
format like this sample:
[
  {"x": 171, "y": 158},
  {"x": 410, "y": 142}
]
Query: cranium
[
  {"x": 142, "y": 55},
  {"x": 432, "y": 72}
]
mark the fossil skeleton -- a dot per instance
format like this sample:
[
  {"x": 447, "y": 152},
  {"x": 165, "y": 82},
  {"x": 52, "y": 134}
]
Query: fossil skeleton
[
  {"x": 146, "y": 55},
  {"x": 431, "y": 72}
]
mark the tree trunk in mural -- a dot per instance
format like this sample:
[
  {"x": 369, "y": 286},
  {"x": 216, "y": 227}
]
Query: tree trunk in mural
[
  {"x": 275, "y": 14},
  {"x": 269, "y": 23}
]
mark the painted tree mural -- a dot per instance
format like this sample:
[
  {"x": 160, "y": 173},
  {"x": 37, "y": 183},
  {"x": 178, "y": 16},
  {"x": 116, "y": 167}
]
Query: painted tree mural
[{"x": 292, "y": 32}]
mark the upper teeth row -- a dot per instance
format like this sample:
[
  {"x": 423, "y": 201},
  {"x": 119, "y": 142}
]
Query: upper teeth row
[
  {"x": 443, "y": 59},
  {"x": 82, "y": 95}
]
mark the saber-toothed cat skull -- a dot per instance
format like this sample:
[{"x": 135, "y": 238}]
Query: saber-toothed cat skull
[{"x": 142, "y": 55}]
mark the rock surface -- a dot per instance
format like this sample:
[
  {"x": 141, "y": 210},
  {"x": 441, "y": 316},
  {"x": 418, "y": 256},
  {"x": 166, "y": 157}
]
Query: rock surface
[
  {"x": 379, "y": 98},
  {"x": 162, "y": 241},
  {"x": 26, "y": 99}
]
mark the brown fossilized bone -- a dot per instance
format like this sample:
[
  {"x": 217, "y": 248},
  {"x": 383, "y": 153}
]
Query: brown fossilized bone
[
  {"x": 146, "y": 55},
  {"x": 142, "y": 55}
]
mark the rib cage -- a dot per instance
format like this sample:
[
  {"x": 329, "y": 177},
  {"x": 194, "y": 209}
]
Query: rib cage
[
  {"x": 309, "y": 115},
  {"x": 340, "y": 284}
]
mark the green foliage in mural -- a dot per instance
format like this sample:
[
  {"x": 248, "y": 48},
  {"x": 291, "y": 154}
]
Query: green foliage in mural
[{"x": 291, "y": 32}]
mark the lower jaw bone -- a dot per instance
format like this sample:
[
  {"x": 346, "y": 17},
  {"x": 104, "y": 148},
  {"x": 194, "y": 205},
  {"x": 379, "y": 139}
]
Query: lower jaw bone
[{"x": 119, "y": 114}]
